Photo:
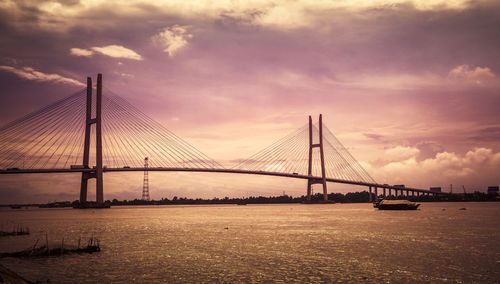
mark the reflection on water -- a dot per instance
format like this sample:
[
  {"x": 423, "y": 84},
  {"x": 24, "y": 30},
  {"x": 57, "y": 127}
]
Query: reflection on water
[{"x": 304, "y": 243}]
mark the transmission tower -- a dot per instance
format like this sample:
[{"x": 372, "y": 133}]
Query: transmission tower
[{"x": 145, "y": 184}]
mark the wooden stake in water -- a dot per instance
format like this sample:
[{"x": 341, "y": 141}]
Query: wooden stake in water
[
  {"x": 62, "y": 245},
  {"x": 47, "y": 243},
  {"x": 34, "y": 247}
]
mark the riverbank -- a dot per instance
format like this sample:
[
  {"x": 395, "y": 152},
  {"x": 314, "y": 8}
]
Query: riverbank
[{"x": 351, "y": 197}]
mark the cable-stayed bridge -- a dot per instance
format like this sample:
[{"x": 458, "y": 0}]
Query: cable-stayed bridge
[{"x": 93, "y": 134}]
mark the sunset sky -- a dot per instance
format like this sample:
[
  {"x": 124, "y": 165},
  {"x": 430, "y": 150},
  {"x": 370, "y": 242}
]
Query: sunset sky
[{"x": 412, "y": 88}]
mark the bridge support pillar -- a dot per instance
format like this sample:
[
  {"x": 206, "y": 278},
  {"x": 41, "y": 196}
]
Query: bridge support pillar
[
  {"x": 384, "y": 192},
  {"x": 319, "y": 145},
  {"x": 86, "y": 143},
  {"x": 376, "y": 193},
  {"x": 97, "y": 172},
  {"x": 99, "y": 186},
  {"x": 370, "y": 197}
]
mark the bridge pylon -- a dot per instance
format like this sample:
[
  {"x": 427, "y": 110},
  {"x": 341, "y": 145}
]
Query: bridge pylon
[
  {"x": 319, "y": 145},
  {"x": 97, "y": 170}
]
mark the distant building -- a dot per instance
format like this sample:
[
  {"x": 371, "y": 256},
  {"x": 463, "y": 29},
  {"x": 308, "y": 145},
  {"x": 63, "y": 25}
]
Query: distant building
[
  {"x": 493, "y": 190},
  {"x": 435, "y": 189}
]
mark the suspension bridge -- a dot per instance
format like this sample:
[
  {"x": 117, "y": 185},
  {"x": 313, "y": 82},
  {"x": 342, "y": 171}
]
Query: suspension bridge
[{"x": 75, "y": 134}]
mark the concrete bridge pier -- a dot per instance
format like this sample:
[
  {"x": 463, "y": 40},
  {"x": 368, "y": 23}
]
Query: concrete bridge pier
[
  {"x": 319, "y": 145},
  {"x": 86, "y": 143},
  {"x": 98, "y": 172}
]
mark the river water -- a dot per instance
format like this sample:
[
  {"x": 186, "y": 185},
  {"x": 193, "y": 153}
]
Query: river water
[{"x": 263, "y": 243}]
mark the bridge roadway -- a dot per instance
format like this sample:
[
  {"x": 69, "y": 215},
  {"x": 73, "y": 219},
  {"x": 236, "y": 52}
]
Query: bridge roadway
[{"x": 215, "y": 170}]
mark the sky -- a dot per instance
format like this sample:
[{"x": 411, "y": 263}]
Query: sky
[{"x": 411, "y": 88}]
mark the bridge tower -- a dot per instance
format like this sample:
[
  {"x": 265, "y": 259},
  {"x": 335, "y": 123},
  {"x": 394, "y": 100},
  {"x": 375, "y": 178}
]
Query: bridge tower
[
  {"x": 145, "y": 184},
  {"x": 97, "y": 170},
  {"x": 319, "y": 145}
]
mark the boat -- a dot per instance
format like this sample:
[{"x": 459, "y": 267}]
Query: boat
[{"x": 396, "y": 205}]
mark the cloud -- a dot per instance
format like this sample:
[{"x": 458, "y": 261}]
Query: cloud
[
  {"x": 81, "y": 52},
  {"x": 486, "y": 134},
  {"x": 374, "y": 136},
  {"x": 462, "y": 74},
  {"x": 117, "y": 51},
  {"x": 476, "y": 168},
  {"x": 400, "y": 153},
  {"x": 126, "y": 75},
  {"x": 172, "y": 39},
  {"x": 468, "y": 73},
  {"x": 31, "y": 74},
  {"x": 428, "y": 149},
  {"x": 281, "y": 13},
  {"x": 388, "y": 81},
  {"x": 478, "y": 156}
]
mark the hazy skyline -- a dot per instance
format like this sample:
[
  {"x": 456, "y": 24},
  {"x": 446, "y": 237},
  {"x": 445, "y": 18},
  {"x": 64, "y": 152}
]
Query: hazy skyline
[{"x": 410, "y": 87}]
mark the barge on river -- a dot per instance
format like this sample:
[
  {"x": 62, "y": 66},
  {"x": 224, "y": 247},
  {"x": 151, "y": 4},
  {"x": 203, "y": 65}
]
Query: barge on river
[{"x": 396, "y": 205}]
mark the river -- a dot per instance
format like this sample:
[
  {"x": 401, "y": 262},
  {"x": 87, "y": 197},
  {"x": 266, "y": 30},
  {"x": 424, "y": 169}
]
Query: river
[{"x": 263, "y": 243}]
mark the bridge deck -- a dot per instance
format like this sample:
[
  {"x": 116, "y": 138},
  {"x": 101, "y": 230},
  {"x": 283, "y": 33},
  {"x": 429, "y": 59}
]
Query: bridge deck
[{"x": 217, "y": 170}]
